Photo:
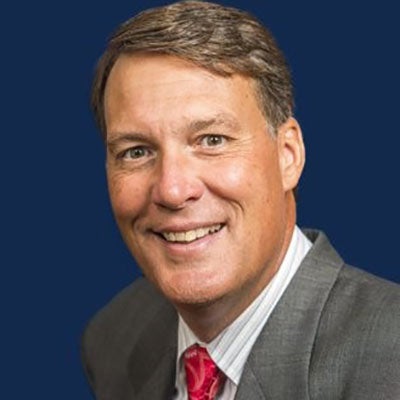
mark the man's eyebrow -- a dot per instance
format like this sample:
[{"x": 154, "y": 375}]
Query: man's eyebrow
[
  {"x": 218, "y": 120},
  {"x": 128, "y": 137}
]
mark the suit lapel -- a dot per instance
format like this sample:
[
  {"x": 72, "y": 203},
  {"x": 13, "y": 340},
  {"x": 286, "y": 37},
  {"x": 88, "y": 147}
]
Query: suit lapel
[
  {"x": 152, "y": 363},
  {"x": 278, "y": 366},
  {"x": 249, "y": 386},
  {"x": 160, "y": 384}
]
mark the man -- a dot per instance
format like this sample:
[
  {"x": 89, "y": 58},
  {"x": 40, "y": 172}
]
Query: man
[{"x": 203, "y": 158}]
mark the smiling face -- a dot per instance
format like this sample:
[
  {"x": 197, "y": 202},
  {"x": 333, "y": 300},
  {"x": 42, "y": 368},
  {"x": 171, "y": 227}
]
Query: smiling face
[{"x": 200, "y": 189}]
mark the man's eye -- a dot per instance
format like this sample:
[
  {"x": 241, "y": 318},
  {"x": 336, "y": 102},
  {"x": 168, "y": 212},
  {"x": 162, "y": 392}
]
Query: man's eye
[
  {"x": 135, "y": 152},
  {"x": 213, "y": 140}
]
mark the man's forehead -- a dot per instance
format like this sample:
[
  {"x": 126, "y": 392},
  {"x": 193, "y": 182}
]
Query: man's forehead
[{"x": 160, "y": 89}]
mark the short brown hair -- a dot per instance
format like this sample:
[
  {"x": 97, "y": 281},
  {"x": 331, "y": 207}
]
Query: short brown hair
[{"x": 223, "y": 40}]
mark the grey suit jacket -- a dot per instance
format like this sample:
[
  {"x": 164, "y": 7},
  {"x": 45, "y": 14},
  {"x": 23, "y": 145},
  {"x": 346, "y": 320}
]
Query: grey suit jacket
[{"x": 334, "y": 335}]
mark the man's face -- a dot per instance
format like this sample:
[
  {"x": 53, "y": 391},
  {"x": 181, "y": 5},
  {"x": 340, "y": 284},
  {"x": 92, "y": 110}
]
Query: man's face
[{"x": 197, "y": 183}]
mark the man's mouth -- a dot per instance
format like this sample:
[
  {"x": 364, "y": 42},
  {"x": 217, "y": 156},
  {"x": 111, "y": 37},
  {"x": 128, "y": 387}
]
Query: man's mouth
[{"x": 191, "y": 235}]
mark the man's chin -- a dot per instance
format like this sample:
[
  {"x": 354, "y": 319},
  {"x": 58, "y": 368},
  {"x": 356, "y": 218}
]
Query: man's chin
[
  {"x": 194, "y": 299},
  {"x": 196, "y": 303}
]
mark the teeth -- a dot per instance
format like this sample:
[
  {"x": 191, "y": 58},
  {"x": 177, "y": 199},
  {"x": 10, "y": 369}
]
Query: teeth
[
  {"x": 190, "y": 236},
  {"x": 180, "y": 237}
]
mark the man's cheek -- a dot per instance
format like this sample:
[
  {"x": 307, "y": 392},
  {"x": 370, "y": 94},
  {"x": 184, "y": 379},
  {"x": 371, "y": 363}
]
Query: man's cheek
[{"x": 126, "y": 198}]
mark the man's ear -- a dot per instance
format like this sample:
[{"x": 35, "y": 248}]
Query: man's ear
[{"x": 291, "y": 153}]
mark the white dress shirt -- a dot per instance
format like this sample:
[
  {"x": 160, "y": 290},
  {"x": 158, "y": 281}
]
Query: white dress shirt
[{"x": 230, "y": 349}]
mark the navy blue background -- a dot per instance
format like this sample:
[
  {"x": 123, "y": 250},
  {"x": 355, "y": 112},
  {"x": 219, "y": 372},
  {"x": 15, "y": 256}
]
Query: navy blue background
[{"x": 62, "y": 257}]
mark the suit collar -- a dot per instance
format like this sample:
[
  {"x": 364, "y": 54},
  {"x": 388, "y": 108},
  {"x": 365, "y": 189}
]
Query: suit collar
[
  {"x": 152, "y": 364},
  {"x": 278, "y": 366}
]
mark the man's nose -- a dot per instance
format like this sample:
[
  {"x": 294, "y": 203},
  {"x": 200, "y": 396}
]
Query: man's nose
[{"x": 177, "y": 182}]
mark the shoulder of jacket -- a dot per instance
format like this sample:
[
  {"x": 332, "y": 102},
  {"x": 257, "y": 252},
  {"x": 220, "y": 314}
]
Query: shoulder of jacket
[{"x": 131, "y": 310}]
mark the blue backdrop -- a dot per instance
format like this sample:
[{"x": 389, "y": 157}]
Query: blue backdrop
[{"x": 62, "y": 255}]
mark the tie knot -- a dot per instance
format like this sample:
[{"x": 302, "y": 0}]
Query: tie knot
[{"x": 203, "y": 377}]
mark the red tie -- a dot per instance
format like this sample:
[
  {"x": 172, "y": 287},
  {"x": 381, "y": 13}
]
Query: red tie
[{"x": 203, "y": 377}]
